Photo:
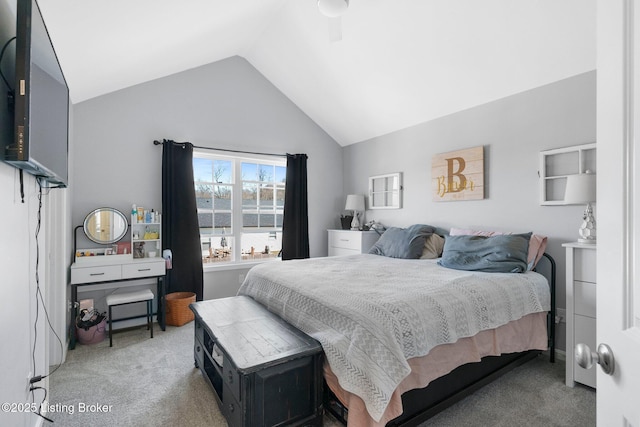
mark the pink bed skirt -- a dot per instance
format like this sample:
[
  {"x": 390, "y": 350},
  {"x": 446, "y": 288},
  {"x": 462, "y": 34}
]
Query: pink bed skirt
[{"x": 527, "y": 333}]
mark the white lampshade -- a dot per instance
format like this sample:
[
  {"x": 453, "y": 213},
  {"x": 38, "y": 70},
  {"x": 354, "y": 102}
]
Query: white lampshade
[
  {"x": 355, "y": 202},
  {"x": 581, "y": 189},
  {"x": 333, "y": 8}
]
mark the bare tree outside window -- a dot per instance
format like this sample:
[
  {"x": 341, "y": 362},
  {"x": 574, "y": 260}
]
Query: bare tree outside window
[{"x": 255, "y": 231}]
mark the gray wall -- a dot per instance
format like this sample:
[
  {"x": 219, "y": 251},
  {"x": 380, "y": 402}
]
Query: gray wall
[
  {"x": 227, "y": 104},
  {"x": 16, "y": 258},
  {"x": 29, "y": 347},
  {"x": 513, "y": 131}
]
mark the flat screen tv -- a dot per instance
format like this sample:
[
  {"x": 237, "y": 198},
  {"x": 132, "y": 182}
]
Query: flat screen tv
[{"x": 41, "y": 119}]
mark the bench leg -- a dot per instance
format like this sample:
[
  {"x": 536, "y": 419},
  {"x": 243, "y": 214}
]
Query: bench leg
[
  {"x": 110, "y": 329},
  {"x": 150, "y": 316}
]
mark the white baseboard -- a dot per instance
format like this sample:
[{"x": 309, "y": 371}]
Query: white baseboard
[{"x": 561, "y": 355}]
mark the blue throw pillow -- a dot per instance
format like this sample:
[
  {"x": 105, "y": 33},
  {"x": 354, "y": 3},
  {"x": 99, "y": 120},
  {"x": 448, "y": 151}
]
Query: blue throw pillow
[
  {"x": 402, "y": 242},
  {"x": 505, "y": 253}
]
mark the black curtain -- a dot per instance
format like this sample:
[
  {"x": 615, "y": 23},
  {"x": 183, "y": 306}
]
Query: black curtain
[
  {"x": 295, "y": 225},
  {"x": 180, "y": 231}
]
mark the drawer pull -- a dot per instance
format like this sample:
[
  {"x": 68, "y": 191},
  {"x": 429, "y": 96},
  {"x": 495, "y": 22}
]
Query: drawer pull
[
  {"x": 144, "y": 269},
  {"x": 344, "y": 240},
  {"x": 96, "y": 274},
  {"x": 230, "y": 377},
  {"x": 231, "y": 408}
]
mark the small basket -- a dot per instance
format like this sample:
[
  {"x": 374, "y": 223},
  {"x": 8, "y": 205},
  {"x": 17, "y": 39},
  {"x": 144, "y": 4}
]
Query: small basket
[
  {"x": 178, "y": 311},
  {"x": 93, "y": 334}
]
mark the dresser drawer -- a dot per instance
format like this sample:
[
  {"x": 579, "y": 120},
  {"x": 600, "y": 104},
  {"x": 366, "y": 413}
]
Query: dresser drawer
[
  {"x": 584, "y": 328},
  {"x": 585, "y": 298},
  {"x": 101, "y": 273},
  {"x": 143, "y": 269},
  {"x": 343, "y": 251},
  {"x": 585, "y": 265},
  {"x": 346, "y": 240},
  {"x": 198, "y": 354},
  {"x": 231, "y": 378}
]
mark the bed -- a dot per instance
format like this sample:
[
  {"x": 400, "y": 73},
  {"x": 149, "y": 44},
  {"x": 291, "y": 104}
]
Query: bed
[{"x": 400, "y": 333}]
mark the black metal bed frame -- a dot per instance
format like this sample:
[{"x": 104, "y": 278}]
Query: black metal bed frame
[{"x": 421, "y": 404}]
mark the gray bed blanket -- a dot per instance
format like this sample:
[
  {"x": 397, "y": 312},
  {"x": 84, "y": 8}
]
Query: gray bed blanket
[{"x": 372, "y": 313}]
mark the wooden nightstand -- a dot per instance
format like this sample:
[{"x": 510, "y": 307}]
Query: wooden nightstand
[
  {"x": 581, "y": 308},
  {"x": 347, "y": 242}
]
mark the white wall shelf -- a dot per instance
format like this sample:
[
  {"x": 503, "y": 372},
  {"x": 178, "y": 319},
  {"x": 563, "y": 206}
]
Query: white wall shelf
[{"x": 557, "y": 164}]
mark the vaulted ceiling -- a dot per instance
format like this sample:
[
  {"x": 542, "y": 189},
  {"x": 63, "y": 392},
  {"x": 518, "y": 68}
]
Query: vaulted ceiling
[{"x": 399, "y": 62}]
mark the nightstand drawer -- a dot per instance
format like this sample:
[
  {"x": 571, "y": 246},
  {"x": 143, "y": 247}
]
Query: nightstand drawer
[
  {"x": 584, "y": 328},
  {"x": 102, "y": 273},
  {"x": 581, "y": 309},
  {"x": 585, "y": 265},
  {"x": 343, "y": 251},
  {"x": 345, "y": 240},
  {"x": 585, "y": 298}
]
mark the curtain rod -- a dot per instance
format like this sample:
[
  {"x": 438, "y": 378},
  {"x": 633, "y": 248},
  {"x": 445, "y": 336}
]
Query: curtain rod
[{"x": 156, "y": 142}]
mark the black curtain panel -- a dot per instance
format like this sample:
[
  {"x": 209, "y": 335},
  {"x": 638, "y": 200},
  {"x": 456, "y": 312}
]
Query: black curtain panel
[
  {"x": 180, "y": 231},
  {"x": 295, "y": 225}
]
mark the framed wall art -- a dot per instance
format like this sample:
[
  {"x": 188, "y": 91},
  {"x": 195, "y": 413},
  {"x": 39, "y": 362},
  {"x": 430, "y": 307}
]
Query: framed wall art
[{"x": 458, "y": 175}]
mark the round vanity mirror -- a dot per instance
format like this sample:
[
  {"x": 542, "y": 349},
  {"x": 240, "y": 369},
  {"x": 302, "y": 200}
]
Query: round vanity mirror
[{"x": 105, "y": 225}]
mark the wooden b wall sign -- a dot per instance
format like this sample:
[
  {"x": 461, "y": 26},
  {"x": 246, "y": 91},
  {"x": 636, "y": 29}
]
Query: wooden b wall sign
[{"x": 458, "y": 175}]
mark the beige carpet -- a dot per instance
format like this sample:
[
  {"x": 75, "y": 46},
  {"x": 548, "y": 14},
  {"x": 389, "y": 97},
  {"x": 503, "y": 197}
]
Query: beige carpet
[{"x": 151, "y": 382}]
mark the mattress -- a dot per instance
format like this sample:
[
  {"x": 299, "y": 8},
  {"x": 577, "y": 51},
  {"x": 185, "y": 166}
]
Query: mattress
[
  {"x": 372, "y": 314},
  {"x": 527, "y": 333}
]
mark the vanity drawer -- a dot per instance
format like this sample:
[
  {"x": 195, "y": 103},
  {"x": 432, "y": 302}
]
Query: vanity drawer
[
  {"x": 346, "y": 240},
  {"x": 101, "y": 273},
  {"x": 143, "y": 269}
]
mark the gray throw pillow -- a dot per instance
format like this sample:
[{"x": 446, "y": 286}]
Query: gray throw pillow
[
  {"x": 404, "y": 243},
  {"x": 505, "y": 253}
]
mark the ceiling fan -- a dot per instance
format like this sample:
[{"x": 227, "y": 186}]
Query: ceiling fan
[{"x": 334, "y": 9}]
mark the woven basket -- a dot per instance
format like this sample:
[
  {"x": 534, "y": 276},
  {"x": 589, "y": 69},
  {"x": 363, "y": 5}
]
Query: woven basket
[{"x": 178, "y": 311}]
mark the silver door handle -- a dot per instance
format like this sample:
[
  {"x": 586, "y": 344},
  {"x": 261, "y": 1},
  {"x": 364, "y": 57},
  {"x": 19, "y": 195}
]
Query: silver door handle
[{"x": 585, "y": 358}]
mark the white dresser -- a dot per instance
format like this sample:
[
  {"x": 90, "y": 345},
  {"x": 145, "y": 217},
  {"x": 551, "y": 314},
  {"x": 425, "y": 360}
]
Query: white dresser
[
  {"x": 581, "y": 308},
  {"x": 348, "y": 242}
]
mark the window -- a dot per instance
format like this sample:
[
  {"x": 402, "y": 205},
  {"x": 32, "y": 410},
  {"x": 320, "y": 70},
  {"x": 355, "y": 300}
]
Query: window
[{"x": 240, "y": 207}]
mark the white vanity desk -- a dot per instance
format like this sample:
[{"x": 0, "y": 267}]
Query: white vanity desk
[{"x": 110, "y": 269}]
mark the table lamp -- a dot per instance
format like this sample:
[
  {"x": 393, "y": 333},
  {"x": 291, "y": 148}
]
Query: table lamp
[
  {"x": 581, "y": 188},
  {"x": 355, "y": 203}
]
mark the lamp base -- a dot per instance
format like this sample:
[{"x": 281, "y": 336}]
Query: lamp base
[
  {"x": 355, "y": 224},
  {"x": 587, "y": 230},
  {"x": 588, "y": 241}
]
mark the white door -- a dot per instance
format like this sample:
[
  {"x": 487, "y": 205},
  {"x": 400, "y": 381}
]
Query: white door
[{"x": 618, "y": 209}]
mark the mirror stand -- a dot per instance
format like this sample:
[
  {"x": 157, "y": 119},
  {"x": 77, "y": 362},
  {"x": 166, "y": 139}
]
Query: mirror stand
[{"x": 106, "y": 227}]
